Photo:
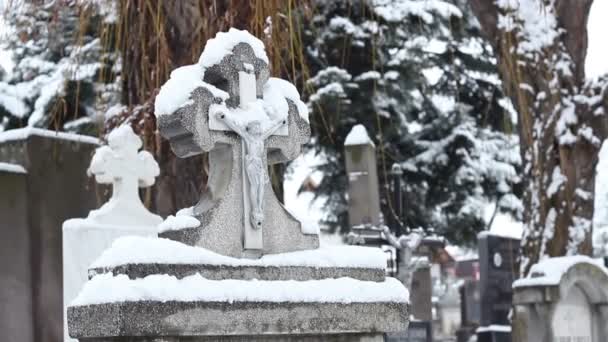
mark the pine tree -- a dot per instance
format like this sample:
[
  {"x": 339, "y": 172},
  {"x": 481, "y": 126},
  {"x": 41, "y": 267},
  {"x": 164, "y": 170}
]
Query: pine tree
[
  {"x": 418, "y": 75},
  {"x": 60, "y": 74}
]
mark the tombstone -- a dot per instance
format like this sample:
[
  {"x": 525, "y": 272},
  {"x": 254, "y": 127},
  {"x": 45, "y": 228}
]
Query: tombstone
[
  {"x": 497, "y": 269},
  {"x": 470, "y": 308},
  {"x": 237, "y": 265},
  {"x": 417, "y": 331},
  {"x": 421, "y": 291},
  {"x": 119, "y": 163},
  {"x": 363, "y": 191},
  {"x": 563, "y": 299},
  {"x": 51, "y": 168}
]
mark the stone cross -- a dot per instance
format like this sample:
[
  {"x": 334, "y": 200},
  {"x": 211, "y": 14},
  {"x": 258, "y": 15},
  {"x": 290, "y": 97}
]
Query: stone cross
[
  {"x": 240, "y": 215},
  {"x": 119, "y": 163}
]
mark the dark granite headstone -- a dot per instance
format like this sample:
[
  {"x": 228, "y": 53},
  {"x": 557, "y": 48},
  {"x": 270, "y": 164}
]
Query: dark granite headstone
[
  {"x": 497, "y": 262},
  {"x": 33, "y": 206},
  {"x": 469, "y": 310},
  {"x": 497, "y": 258},
  {"x": 418, "y": 331},
  {"x": 492, "y": 334}
]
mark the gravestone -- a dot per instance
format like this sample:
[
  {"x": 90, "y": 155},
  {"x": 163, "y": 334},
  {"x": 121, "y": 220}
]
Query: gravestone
[
  {"x": 214, "y": 118},
  {"x": 470, "y": 309},
  {"x": 417, "y": 331},
  {"x": 421, "y": 291},
  {"x": 363, "y": 191},
  {"x": 237, "y": 266},
  {"x": 497, "y": 269},
  {"x": 50, "y": 186},
  {"x": 563, "y": 299},
  {"x": 120, "y": 164}
]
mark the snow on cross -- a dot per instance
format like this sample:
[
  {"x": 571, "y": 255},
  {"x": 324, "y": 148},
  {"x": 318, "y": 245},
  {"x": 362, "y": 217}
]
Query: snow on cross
[
  {"x": 227, "y": 105},
  {"x": 120, "y": 164}
]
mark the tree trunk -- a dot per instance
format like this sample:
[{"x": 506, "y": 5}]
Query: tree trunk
[{"x": 562, "y": 119}]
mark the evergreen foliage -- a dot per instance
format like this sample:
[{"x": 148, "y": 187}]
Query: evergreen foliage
[
  {"x": 421, "y": 79},
  {"x": 57, "y": 73}
]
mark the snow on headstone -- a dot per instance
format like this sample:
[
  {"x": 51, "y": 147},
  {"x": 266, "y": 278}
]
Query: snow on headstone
[
  {"x": 121, "y": 164},
  {"x": 358, "y": 136},
  {"x": 363, "y": 193},
  {"x": 177, "y": 91},
  {"x": 229, "y": 99}
]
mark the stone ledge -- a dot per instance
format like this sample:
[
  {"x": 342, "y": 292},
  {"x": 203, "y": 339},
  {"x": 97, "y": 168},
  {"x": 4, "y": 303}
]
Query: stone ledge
[
  {"x": 183, "y": 321},
  {"x": 219, "y": 272},
  {"x": 369, "y": 337}
]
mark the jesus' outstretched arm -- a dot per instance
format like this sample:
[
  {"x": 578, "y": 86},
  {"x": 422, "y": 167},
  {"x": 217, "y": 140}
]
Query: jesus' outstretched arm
[
  {"x": 231, "y": 123},
  {"x": 275, "y": 126}
]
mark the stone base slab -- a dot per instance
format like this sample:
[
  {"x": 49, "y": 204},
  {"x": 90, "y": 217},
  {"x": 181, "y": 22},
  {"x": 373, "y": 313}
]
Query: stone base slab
[
  {"x": 174, "y": 321},
  {"x": 266, "y": 338},
  {"x": 218, "y": 272}
]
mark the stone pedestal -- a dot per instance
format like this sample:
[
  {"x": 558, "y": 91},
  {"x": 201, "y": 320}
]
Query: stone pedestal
[
  {"x": 329, "y": 295},
  {"x": 122, "y": 164},
  {"x": 83, "y": 242}
]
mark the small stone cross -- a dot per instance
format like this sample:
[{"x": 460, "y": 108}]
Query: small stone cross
[
  {"x": 120, "y": 164},
  {"x": 232, "y": 117}
]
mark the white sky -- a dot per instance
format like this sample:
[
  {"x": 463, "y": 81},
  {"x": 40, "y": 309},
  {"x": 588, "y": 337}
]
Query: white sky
[{"x": 597, "y": 53}]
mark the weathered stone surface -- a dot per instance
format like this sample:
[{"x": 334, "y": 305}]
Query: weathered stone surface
[
  {"x": 573, "y": 309},
  {"x": 191, "y": 319},
  {"x": 349, "y": 337},
  {"x": 16, "y": 316},
  {"x": 215, "y": 272},
  {"x": 421, "y": 293},
  {"x": 363, "y": 189},
  {"x": 220, "y": 209},
  {"x": 56, "y": 169}
]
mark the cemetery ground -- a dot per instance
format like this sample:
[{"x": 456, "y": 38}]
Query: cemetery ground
[{"x": 311, "y": 194}]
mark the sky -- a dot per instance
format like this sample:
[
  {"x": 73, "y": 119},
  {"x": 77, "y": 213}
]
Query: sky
[{"x": 597, "y": 53}]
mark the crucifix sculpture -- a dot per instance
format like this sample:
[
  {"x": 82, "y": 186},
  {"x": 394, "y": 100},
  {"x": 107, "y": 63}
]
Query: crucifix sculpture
[
  {"x": 245, "y": 120},
  {"x": 253, "y": 137}
]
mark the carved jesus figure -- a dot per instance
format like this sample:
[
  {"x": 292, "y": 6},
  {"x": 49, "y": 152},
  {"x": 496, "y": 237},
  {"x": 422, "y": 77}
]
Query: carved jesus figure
[{"x": 254, "y": 139}]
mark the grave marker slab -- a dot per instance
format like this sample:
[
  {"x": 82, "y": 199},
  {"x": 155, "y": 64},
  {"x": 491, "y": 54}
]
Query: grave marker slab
[
  {"x": 497, "y": 269},
  {"x": 421, "y": 293},
  {"x": 363, "y": 191},
  {"x": 84, "y": 239},
  {"x": 418, "y": 331},
  {"x": 564, "y": 299}
]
